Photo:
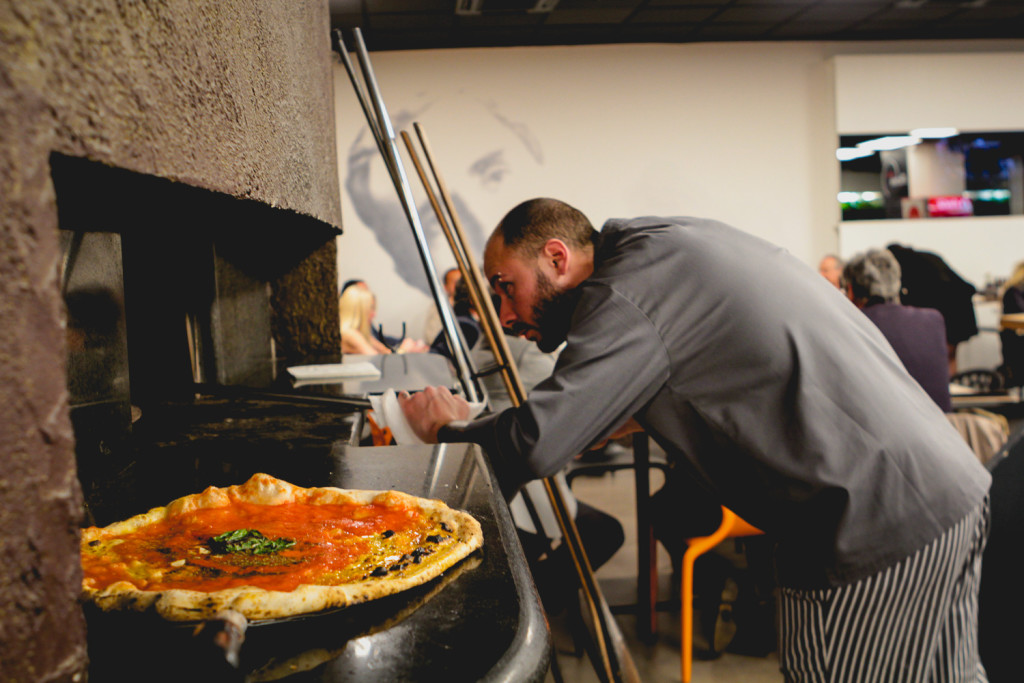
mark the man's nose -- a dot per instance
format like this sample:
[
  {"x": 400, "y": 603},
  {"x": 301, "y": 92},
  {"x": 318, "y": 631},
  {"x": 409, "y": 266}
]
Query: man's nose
[{"x": 506, "y": 315}]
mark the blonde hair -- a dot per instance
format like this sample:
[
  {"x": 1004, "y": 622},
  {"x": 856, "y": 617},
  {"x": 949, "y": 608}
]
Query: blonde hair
[
  {"x": 1016, "y": 278},
  {"x": 356, "y": 306}
]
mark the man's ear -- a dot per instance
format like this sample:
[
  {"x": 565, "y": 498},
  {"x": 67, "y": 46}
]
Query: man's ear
[{"x": 556, "y": 254}]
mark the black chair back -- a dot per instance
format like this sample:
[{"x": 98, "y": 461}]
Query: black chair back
[{"x": 1001, "y": 599}]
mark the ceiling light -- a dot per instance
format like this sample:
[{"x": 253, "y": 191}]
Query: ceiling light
[
  {"x": 947, "y": 132},
  {"x": 889, "y": 142},
  {"x": 850, "y": 153},
  {"x": 858, "y": 197}
]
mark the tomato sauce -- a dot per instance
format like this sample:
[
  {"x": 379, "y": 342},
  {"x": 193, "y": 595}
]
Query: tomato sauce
[{"x": 330, "y": 540}]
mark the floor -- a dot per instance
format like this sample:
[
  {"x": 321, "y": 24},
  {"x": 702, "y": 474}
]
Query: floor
[{"x": 614, "y": 493}]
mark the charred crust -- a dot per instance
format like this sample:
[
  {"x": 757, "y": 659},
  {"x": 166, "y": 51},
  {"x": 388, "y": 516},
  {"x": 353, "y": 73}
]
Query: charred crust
[
  {"x": 419, "y": 553},
  {"x": 388, "y": 534}
]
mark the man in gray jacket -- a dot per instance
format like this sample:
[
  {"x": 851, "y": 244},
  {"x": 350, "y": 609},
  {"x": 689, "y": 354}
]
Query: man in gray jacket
[{"x": 766, "y": 384}]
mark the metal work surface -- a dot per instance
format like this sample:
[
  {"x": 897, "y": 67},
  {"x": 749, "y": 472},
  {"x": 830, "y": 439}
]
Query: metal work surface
[{"x": 481, "y": 620}]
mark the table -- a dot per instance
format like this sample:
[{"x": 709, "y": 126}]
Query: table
[
  {"x": 399, "y": 371},
  {"x": 1012, "y": 321},
  {"x": 482, "y": 620},
  {"x": 964, "y": 401}
]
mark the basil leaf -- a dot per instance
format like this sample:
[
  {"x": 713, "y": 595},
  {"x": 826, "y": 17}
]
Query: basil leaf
[{"x": 247, "y": 541}]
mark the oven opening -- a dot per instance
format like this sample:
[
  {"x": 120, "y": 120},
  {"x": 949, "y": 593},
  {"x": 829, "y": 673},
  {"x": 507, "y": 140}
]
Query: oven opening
[{"x": 180, "y": 321}]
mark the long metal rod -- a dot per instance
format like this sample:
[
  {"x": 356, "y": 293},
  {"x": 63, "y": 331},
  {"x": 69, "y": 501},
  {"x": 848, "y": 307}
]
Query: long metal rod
[
  {"x": 465, "y": 268},
  {"x": 616, "y": 661},
  {"x": 383, "y": 132},
  {"x": 458, "y": 250},
  {"x": 361, "y": 95}
]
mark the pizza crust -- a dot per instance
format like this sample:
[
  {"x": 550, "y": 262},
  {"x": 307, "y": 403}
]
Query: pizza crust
[{"x": 257, "y": 603}]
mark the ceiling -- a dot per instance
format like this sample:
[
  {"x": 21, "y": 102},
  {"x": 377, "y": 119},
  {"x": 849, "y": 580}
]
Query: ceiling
[{"x": 430, "y": 24}]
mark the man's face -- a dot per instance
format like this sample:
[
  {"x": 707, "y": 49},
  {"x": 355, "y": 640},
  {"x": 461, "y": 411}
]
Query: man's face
[{"x": 530, "y": 305}]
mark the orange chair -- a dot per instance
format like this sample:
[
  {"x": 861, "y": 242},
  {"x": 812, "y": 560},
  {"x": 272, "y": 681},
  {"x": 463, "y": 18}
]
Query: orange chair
[{"x": 731, "y": 527}]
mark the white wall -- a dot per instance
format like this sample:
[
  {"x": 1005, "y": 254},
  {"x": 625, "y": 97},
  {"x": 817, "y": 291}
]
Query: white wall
[
  {"x": 972, "y": 92},
  {"x": 742, "y": 132}
]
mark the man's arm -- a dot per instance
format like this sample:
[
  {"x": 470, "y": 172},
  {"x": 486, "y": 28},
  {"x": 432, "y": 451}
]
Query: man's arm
[{"x": 613, "y": 364}]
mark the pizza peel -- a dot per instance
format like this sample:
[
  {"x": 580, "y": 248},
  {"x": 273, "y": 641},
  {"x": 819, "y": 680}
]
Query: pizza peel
[{"x": 616, "y": 662}]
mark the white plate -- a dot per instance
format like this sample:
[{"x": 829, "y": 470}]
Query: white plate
[{"x": 335, "y": 371}]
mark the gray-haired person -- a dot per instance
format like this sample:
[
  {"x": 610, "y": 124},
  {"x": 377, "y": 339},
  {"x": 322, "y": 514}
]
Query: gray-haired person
[{"x": 918, "y": 335}]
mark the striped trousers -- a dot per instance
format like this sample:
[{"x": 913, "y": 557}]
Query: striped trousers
[{"x": 914, "y": 622}]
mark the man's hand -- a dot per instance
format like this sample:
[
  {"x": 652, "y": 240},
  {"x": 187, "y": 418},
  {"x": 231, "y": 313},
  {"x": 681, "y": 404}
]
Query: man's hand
[
  {"x": 431, "y": 409},
  {"x": 631, "y": 426}
]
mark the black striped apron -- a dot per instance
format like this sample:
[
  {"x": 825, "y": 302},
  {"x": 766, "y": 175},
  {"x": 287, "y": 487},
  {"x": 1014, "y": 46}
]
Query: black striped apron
[{"x": 914, "y": 622}]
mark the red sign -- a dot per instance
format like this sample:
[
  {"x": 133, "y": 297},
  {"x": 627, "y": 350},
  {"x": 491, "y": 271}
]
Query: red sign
[{"x": 950, "y": 206}]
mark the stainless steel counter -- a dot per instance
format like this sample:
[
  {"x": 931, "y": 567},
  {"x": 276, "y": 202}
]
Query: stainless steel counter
[{"x": 482, "y": 620}]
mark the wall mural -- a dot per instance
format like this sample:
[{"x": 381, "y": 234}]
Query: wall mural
[{"x": 475, "y": 171}]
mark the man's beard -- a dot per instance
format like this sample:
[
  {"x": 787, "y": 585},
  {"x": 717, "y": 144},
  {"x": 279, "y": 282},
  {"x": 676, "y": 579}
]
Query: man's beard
[{"x": 553, "y": 313}]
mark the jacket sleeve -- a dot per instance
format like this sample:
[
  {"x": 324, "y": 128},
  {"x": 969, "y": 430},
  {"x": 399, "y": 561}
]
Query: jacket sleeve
[{"x": 614, "y": 362}]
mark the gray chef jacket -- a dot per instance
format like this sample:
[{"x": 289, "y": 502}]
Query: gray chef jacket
[{"x": 760, "y": 378}]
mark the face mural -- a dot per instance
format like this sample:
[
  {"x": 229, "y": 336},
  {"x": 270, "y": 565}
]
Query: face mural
[{"x": 483, "y": 174}]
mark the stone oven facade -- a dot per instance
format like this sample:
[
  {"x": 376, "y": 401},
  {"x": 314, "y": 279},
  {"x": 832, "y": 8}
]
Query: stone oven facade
[{"x": 141, "y": 107}]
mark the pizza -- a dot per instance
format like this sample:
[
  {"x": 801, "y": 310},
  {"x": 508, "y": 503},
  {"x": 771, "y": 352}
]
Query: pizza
[{"x": 269, "y": 549}]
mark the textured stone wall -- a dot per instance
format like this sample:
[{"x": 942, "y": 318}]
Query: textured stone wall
[{"x": 233, "y": 96}]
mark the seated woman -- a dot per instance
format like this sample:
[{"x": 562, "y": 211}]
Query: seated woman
[
  {"x": 356, "y": 307},
  {"x": 918, "y": 335}
]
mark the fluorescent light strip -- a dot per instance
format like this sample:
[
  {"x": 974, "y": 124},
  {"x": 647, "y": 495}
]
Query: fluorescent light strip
[
  {"x": 855, "y": 197},
  {"x": 850, "y": 153},
  {"x": 889, "y": 142},
  {"x": 933, "y": 133}
]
